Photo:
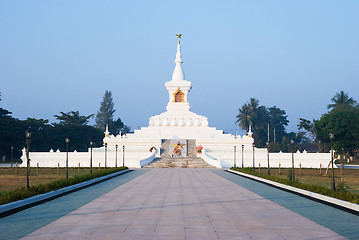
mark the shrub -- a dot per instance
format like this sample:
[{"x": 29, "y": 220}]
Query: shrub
[{"x": 342, "y": 186}]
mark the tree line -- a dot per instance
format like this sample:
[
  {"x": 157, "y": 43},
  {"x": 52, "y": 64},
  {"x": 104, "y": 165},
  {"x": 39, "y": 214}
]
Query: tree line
[
  {"x": 342, "y": 120},
  {"x": 267, "y": 123},
  {"x": 46, "y": 135}
]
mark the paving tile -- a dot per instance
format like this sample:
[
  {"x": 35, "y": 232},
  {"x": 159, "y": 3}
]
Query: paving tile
[{"x": 182, "y": 204}]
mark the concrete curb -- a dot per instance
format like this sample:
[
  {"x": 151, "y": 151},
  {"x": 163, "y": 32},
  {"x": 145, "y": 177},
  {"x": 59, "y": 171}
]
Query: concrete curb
[
  {"x": 10, "y": 208},
  {"x": 347, "y": 206}
]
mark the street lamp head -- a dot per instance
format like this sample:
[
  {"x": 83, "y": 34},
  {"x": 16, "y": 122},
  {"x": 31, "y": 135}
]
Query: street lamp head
[
  {"x": 331, "y": 136},
  {"x": 67, "y": 140},
  {"x": 28, "y": 134},
  {"x": 292, "y": 141}
]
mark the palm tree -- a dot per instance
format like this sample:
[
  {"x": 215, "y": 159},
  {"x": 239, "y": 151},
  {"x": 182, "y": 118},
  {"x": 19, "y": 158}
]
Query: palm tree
[
  {"x": 254, "y": 110},
  {"x": 253, "y": 104},
  {"x": 341, "y": 98},
  {"x": 244, "y": 117},
  {"x": 251, "y": 113}
]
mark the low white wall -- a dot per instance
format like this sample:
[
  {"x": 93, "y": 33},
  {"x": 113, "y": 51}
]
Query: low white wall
[
  {"x": 131, "y": 157},
  {"x": 227, "y": 156},
  {"x": 218, "y": 156}
]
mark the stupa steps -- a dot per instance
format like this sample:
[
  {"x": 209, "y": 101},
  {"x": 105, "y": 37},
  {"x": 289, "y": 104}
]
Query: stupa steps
[
  {"x": 166, "y": 146},
  {"x": 188, "y": 162}
]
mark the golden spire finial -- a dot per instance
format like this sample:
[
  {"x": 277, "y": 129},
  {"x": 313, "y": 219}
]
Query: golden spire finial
[{"x": 179, "y": 37}]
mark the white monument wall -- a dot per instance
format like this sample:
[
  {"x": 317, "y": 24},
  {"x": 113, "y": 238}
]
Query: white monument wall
[
  {"x": 226, "y": 155},
  {"x": 134, "y": 158}
]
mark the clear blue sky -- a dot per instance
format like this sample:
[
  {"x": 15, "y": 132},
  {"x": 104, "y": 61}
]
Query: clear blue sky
[{"x": 63, "y": 55}]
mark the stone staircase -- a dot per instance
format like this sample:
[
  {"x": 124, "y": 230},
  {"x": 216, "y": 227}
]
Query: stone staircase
[{"x": 187, "y": 162}]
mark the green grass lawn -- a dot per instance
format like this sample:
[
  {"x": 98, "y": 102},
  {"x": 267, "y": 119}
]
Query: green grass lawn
[
  {"x": 42, "y": 180},
  {"x": 314, "y": 177},
  {"x": 10, "y": 180}
]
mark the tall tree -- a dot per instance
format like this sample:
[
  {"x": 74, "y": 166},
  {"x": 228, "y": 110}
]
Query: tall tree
[
  {"x": 12, "y": 134},
  {"x": 40, "y": 133},
  {"x": 343, "y": 121},
  {"x": 116, "y": 126},
  {"x": 5, "y": 113},
  {"x": 251, "y": 113},
  {"x": 258, "y": 114},
  {"x": 277, "y": 122},
  {"x": 342, "y": 99},
  {"x": 74, "y": 126},
  {"x": 260, "y": 122},
  {"x": 126, "y": 129},
  {"x": 104, "y": 115},
  {"x": 309, "y": 128},
  {"x": 244, "y": 117},
  {"x": 73, "y": 118},
  {"x": 253, "y": 105}
]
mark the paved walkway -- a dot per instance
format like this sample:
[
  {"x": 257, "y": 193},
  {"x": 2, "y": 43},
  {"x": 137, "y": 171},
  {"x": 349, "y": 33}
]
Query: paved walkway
[
  {"x": 20, "y": 224},
  {"x": 182, "y": 204}
]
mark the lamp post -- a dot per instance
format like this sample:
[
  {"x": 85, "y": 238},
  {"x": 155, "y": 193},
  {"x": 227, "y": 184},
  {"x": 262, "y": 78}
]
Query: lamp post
[
  {"x": 123, "y": 156},
  {"x": 268, "y": 157},
  {"x": 67, "y": 140},
  {"x": 235, "y": 156},
  {"x": 12, "y": 155},
  {"x": 242, "y": 155},
  {"x": 331, "y": 136},
  {"x": 105, "y": 155},
  {"x": 28, "y": 140},
  {"x": 116, "y": 156},
  {"x": 254, "y": 169},
  {"x": 91, "y": 144},
  {"x": 293, "y": 177}
]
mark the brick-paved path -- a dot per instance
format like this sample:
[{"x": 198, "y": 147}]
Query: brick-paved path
[{"x": 182, "y": 204}]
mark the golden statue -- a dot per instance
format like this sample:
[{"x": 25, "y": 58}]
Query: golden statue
[{"x": 178, "y": 145}]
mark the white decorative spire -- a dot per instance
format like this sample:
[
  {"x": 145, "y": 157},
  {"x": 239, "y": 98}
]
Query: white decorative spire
[
  {"x": 178, "y": 88},
  {"x": 178, "y": 74},
  {"x": 107, "y": 133},
  {"x": 250, "y": 133}
]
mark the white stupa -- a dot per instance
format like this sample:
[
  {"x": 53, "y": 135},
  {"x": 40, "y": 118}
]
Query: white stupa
[{"x": 178, "y": 122}]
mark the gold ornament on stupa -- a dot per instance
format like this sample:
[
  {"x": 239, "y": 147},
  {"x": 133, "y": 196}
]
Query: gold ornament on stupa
[{"x": 179, "y": 37}]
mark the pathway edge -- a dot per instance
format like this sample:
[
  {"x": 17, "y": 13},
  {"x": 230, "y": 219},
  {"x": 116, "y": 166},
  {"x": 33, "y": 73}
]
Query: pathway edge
[
  {"x": 9, "y": 208},
  {"x": 348, "y": 206}
]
